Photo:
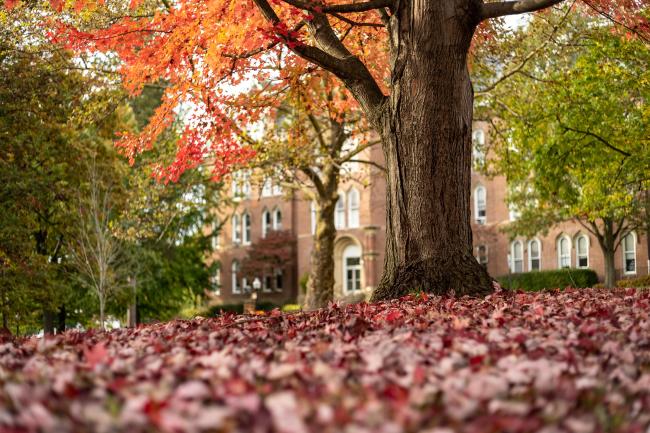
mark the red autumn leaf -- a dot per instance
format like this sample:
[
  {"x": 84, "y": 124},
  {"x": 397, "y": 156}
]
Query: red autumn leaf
[{"x": 96, "y": 355}]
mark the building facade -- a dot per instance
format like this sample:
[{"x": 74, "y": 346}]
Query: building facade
[{"x": 360, "y": 219}]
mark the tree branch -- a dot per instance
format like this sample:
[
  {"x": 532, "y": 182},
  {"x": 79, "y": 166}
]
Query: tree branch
[
  {"x": 593, "y": 135},
  {"x": 342, "y": 8},
  {"x": 499, "y": 9}
]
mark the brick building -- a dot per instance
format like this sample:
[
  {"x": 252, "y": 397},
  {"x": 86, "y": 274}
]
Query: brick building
[{"x": 361, "y": 226}]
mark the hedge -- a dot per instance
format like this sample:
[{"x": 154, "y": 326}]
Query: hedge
[
  {"x": 216, "y": 310},
  {"x": 643, "y": 281},
  {"x": 539, "y": 280}
]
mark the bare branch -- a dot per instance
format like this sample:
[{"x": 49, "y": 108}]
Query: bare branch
[{"x": 499, "y": 9}]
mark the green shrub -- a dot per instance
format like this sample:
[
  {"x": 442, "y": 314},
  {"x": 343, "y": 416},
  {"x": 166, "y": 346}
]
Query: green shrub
[
  {"x": 643, "y": 281},
  {"x": 290, "y": 308},
  {"x": 559, "y": 278},
  {"x": 217, "y": 310}
]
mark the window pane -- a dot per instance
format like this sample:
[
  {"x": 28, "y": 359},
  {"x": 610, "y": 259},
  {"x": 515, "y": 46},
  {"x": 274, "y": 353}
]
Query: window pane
[{"x": 534, "y": 265}]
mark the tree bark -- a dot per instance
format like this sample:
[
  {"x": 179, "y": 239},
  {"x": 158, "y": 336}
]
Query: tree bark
[
  {"x": 320, "y": 287},
  {"x": 426, "y": 132},
  {"x": 608, "y": 246},
  {"x": 102, "y": 303}
]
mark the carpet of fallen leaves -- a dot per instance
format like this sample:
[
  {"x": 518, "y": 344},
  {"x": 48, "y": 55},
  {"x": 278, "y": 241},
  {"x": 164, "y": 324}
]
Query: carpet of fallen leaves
[{"x": 573, "y": 361}]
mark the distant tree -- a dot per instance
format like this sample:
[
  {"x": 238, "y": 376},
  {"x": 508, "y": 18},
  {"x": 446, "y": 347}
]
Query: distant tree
[
  {"x": 269, "y": 257},
  {"x": 572, "y": 132}
]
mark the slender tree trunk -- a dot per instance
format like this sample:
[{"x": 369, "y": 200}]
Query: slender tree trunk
[
  {"x": 102, "y": 303},
  {"x": 426, "y": 134},
  {"x": 320, "y": 287}
]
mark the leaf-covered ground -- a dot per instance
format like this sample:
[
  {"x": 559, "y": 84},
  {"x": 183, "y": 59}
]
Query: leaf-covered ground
[{"x": 576, "y": 361}]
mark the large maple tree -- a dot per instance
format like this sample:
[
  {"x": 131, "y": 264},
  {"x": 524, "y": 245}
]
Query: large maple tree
[{"x": 403, "y": 61}]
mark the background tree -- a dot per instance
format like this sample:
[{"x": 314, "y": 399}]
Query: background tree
[
  {"x": 309, "y": 147},
  {"x": 204, "y": 48},
  {"x": 270, "y": 257},
  {"x": 572, "y": 131}
]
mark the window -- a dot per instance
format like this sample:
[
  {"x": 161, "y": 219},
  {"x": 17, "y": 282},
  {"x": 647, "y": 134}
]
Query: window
[
  {"x": 277, "y": 219},
  {"x": 245, "y": 286},
  {"x": 236, "y": 229},
  {"x": 513, "y": 212},
  {"x": 564, "y": 252},
  {"x": 582, "y": 252},
  {"x": 279, "y": 280},
  {"x": 267, "y": 188},
  {"x": 246, "y": 228},
  {"x": 246, "y": 184},
  {"x": 480, "y": 205},
  {"x": 312, "y": 211},
  {"x": 482, "y": 255},
  {"x": 277, "y": 189},
  {"x": 216, "y": 236},
  {"x": 235, "y": 185},
  {"x": 517, "y": 254},
  {"x": 339, "y": 216},
  {"x": 351, "y": 269},
  {"x": 629, "y": 253},
  {"x": 534, "y": 255},
  {"x": 267, "y": 283},
  {"x": 235, "y": 277},
  {"x": 478, "y": 147},
  {"x": 266, "y": 222},
  {"x": 353, "y": 208},
  {"x": 216, "y": 282}
]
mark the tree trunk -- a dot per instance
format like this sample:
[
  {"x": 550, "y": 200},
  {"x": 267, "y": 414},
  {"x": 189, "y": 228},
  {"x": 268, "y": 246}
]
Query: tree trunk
[
  {"x": 607, "y": 246},
  {"x": 426, "y": 134},
  {"x": 320, "y": 287},
  {"x": 101, "y": 313},
  {"x": 62, "y": 315}
]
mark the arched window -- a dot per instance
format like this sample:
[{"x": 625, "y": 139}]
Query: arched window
[
  {"x": 478, "y": 146},
  {"x": 517, "y": 254},
  {"x": 312, "y": 211},
  {"x": 277, "y": 219},
  {"x": 534, "y": 255},
  {"x": 353, "y": 208},
  {"x": 351, "y": 269},
  {"x": 236, "y": 229},
  {"x": 246, "y": 228},
  {"x": 480, "y": 205},
  {"x": 339, "y": 216},
  {"x": 564, "y": 252},
  {"x": 266, "y": 222},
  {"x": 235, "y": 277},
  {"x": 582, "y": 252},
  {"x": 629, "y": 253}
]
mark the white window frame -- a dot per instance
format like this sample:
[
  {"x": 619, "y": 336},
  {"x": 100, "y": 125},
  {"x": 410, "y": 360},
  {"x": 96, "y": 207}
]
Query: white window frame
[
  {"x": 236, "y": 229},
  {"x": 530, "y": 254},
  {"x": 216, "y": 236},
  {"x": 234, "y": 278},
  {"x": 267, "y": 222},
  {"x": 354, "y": 206},
  {"x": 586, "y": 255},
  {"x": 312, "y": 212},
  {"x": 478, "y": 149},
  {"x": 277, "y": 219},
  {"x": 216, "y": 282},
  {"x": 246, "y": 223},
  {"x": 276, "y": 189},
  {"x": 246, "y": 184},
  {"x": 279, "y": 273},
  {"x": 246, "y": 288},
  {"x": 478, "y": 254},
  {"x": 352, "y": 251},
  {"x": 626, "y": 252},
  {"x": 267, "y": 187},
  {"x": 339, "y": 212},
  {"x": 478, "y": 218},
  {"x": 513, "y": 255},
  {"x": 560, "y": 256}
]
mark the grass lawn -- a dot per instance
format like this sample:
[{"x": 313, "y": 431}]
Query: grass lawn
[{"x": 574, "y": 361}]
